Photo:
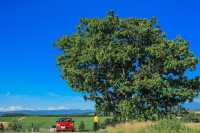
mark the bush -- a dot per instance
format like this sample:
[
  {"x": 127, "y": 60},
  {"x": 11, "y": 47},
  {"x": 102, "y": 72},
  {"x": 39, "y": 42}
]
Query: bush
[
  {"x": 29, "y": 128},
  {"x": 168, "y": 125},
  {"x": 191, "y": 117},
  {"x": 35, "y": 127},
  {"x": 16, "y": 126},
  {"x": 111, "y": 122},
  {"x": 108, "y": 122},
  {"x": 102, "y": 125},
  {"x": 81, "y": 126}
]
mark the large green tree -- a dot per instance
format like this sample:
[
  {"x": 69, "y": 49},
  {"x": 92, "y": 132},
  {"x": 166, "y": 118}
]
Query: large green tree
[{"x": 128, "y": 66}]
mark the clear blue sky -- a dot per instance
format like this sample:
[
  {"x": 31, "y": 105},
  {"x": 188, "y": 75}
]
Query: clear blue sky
[{"x": 29, "y": 77}]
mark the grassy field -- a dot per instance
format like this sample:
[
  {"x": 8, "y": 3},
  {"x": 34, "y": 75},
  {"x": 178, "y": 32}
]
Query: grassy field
[
  {"x": 46, "y": 121},
  {"x": 163, "y": 126}
]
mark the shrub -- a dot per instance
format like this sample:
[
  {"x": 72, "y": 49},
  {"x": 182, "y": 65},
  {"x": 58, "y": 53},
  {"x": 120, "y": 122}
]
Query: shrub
[
  {"x": 35, "y": 127},
  {"x": 108, "y": 122},
  {"x": 81, "y": 126},
  {"x": 16, "y": 126},
  {"x": 102, "y": 125},
  {"x": 29, "y": 128},
  {"x": 191, "y": 117},
  {"x": 168, "y": 125}
]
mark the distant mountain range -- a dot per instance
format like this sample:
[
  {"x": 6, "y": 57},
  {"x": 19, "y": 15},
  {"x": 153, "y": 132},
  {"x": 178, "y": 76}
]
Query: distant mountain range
[
  {"x": 194, "y": 106},
  {"x": 48, "y": 112}
]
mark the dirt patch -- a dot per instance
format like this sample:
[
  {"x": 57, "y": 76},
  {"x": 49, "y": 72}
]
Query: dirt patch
[{"x": 21, "y": 118}]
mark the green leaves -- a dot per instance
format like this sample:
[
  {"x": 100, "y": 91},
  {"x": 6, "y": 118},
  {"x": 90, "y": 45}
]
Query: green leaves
[{"x": 128, "y": 66}]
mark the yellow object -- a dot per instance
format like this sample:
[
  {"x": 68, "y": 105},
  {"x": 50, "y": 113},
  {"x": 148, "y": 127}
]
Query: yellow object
[{"x": 96, "y": 119}]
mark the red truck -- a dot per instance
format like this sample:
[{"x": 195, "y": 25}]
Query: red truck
[{"x": 65, "y": 124}]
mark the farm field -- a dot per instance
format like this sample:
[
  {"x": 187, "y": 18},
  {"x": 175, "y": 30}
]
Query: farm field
[{"x": 45, "y": 122}]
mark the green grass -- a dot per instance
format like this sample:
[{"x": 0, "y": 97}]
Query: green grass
[{"x": 45, "y": 122}]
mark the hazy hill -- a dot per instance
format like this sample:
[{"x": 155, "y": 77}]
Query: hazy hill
[{"x": 47, "y": 112}]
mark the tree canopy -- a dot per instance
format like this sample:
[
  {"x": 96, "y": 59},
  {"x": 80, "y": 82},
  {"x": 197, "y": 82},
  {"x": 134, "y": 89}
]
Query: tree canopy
[{"x": 128, "y": 66}]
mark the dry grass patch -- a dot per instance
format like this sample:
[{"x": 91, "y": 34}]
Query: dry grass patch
[
  {"x": 164, "y": 126},
  {"x": 193, "y": 125},
  {"x": 129, "y": 127}
]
